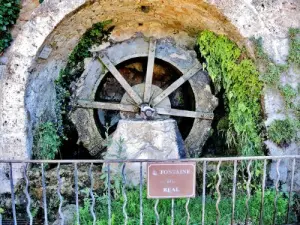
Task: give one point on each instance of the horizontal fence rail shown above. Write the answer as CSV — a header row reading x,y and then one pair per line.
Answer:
x,y
247,188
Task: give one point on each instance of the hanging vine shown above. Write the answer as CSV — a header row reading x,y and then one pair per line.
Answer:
x,y
238,76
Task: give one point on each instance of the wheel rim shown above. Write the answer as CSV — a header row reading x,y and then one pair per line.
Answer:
x,y
139,101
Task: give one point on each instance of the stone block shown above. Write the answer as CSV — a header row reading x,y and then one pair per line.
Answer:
x,y
142,139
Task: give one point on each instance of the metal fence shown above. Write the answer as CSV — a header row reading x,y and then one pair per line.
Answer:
x,y
248,163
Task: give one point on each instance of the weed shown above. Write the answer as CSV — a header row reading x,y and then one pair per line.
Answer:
x,y
282,131
46,141
294,51
289,94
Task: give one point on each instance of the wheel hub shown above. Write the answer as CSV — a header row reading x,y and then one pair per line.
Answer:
x,y
147,111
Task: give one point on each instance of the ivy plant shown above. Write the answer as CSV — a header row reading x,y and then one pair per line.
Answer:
x,y
230,69
9,13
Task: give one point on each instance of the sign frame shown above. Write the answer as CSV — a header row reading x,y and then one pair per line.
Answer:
x,y
171,164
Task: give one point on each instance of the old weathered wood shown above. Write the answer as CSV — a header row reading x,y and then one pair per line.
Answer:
x,y
185,113
176,84
106,105
149,74
120,79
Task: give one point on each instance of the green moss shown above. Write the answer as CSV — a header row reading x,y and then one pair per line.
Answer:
x,y
9,13
240,80
282,131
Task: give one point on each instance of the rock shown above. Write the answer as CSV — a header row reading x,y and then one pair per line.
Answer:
x,y
285,166
69,212
144,139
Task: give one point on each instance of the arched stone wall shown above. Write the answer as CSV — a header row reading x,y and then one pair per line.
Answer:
x,y
27,84
60,24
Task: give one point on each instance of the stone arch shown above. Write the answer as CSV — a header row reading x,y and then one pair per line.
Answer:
x,y
49,25
48,20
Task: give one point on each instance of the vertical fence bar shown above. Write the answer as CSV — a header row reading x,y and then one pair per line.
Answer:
x,y
248,190
203,191
12,189
141,193
276,193
108,194
92,207
187,211
219,193
263,193
44,195
172,211
233,191
124,194
156,212
26,191
76,193
61,215
290,192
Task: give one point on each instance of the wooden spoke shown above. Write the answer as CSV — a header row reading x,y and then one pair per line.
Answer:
x,y
184,113
120,79
176,84
150,67
106,105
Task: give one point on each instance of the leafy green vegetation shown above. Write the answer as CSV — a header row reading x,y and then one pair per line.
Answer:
x,y
282,131
229,69
294,52
9,13
46,141
180,216
289,93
